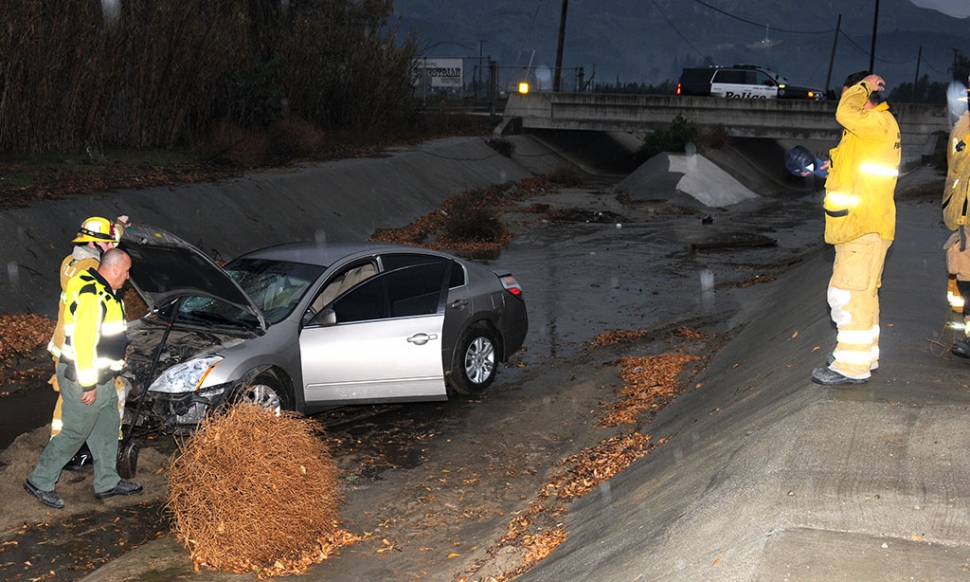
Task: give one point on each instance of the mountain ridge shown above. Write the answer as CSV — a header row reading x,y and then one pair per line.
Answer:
x,y
648,42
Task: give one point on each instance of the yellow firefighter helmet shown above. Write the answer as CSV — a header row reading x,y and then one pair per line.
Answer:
x,y
97,229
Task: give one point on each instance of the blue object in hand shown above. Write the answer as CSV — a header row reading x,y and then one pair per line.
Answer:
x,y
802,162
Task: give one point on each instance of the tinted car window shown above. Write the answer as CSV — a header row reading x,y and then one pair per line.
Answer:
x,y
730,76
762,79
416,290
364,303
394,261
457,275
406,292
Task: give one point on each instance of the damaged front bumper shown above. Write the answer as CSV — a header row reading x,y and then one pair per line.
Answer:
x,y
181,413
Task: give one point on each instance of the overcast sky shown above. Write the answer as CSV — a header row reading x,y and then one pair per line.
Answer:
x,y
958,8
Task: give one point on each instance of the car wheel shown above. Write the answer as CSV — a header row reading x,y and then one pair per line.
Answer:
x,y
265,391
475,361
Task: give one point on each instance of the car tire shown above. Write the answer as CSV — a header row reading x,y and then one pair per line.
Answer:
x,y
265,391
475,362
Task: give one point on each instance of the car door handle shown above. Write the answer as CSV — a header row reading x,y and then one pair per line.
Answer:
x,y
459,304
422,338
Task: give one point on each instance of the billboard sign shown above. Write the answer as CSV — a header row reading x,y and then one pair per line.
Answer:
x,y
438,72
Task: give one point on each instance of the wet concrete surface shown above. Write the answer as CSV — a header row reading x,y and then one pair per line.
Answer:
x,y
583,275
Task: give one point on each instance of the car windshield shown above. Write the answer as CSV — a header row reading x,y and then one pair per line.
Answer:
x,y
274,286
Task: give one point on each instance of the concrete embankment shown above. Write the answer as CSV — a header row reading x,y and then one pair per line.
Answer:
x,y
767,476
341,200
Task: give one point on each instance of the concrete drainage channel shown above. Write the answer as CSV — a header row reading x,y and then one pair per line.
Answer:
x,y
584,278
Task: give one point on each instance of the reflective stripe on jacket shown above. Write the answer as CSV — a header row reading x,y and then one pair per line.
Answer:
x,y
95,336
863,171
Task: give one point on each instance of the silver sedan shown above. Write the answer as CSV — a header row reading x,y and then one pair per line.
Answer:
x,y
308,326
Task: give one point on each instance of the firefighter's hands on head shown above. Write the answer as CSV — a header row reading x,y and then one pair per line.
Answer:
x,y
875,82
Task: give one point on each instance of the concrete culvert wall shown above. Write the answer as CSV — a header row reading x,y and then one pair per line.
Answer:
x,y
340,200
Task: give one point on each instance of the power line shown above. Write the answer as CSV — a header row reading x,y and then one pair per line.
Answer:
x,y
865,52
760,24
682,37
841,33
927,63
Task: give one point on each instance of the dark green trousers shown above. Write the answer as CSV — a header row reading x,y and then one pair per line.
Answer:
x,y
96,424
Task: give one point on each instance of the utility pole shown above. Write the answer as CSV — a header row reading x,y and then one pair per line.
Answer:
x,y
875,24
919,58
562,38
835,43
479,81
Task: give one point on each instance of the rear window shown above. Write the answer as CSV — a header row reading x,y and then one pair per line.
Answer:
x,y
732,76
696,75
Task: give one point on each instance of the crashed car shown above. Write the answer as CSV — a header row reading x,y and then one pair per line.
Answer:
x,y
308,326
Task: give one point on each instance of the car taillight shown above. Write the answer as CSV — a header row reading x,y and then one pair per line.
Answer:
x,y
511,285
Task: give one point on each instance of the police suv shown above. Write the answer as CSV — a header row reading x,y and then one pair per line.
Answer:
x,y
742,82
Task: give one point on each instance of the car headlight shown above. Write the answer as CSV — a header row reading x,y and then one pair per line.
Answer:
x,y
186,376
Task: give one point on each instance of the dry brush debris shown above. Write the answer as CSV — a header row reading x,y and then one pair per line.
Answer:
x,y
649,383
19,334
255,492
469,222
20,338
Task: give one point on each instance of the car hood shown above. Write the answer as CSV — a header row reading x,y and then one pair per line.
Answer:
x,y
165,267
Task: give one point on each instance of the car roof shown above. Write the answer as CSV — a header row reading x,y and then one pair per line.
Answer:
x,y
325,254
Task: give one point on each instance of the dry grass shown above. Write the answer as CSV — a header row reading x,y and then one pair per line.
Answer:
x,y
253,492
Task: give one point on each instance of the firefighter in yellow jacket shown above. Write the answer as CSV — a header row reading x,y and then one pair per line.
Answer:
x,y
955,216
95,236
92,356
860,220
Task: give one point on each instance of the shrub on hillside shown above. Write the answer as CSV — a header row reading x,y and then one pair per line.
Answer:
x,y
228,144
471,220
292,137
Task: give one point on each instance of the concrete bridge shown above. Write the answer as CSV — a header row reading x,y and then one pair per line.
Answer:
x,y
798,120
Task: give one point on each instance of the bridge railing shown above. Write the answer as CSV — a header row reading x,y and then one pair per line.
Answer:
x,y
790,119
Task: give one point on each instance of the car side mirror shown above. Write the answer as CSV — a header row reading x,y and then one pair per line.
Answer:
x,y
325,318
